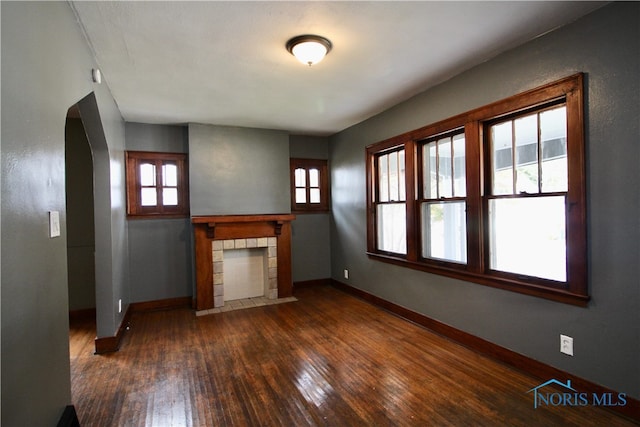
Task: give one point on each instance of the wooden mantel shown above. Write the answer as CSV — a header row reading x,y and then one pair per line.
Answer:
x,y
224,227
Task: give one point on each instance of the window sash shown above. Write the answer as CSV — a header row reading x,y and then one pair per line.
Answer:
x,y
443,229
527,236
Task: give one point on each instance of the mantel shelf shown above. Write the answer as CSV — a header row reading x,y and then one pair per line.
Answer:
x,y
225,219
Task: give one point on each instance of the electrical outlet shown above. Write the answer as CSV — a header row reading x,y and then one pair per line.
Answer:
x,y
346,273
566,345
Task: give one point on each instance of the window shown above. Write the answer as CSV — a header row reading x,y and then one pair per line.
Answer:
x,y
157,184
390,202
526,202
309,185
494,196
442,199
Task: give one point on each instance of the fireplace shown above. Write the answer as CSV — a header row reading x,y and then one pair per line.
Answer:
x,y
216,235
244,268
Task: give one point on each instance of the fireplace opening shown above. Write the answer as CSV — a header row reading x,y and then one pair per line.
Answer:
x,y
245,273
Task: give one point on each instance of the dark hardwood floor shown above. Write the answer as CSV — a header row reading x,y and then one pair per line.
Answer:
x,y
328,359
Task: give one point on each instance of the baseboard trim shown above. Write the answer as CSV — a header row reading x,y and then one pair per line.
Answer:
x,y
526,364
311,283
69,417
163,304
111,344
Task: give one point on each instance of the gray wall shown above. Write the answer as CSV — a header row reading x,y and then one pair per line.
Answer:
x,y
46,68
160,250
238,170
310,240
606,46
80,222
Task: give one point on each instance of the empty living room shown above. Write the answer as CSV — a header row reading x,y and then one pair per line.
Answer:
x,y
341,213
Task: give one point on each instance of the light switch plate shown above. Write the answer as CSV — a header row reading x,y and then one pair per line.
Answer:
x,y
54,224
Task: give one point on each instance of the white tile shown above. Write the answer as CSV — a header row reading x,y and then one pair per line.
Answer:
x,y
273,262
218,278
217,267
218,290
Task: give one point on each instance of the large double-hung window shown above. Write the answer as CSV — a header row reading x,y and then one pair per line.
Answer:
x,y
527,197
391,202
494,196
442,198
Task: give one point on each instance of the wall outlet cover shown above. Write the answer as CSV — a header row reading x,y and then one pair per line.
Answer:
x,y
566,345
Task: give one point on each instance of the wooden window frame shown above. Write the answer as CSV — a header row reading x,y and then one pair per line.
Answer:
x,y
574,290
306,164
135,209
376,202
420,197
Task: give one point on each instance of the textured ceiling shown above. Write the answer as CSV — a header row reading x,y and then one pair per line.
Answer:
x,y
225,63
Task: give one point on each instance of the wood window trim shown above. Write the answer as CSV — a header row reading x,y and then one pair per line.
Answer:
x,y
322,166
134,207
575,289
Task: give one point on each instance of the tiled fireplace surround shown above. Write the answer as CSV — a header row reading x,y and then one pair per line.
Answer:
x,y
215,234
270,247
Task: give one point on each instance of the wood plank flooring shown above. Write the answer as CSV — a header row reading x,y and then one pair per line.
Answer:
x,y
328,359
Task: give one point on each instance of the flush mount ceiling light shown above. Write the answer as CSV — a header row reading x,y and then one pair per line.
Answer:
x,y
309,49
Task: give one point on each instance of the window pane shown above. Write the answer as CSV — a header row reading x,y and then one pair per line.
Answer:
x,y
301,195
526,134
527,236
501,157
169,175
444,231
444,168
391,228
393,176
383,178
300,177
147,174
314,195
553,134
170,196
459,166
314,178
401,180
148,197
430,173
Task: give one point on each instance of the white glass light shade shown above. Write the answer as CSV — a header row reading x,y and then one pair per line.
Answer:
x,y
309,52
309,49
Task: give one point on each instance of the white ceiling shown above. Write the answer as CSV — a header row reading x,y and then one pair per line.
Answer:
x,y
225,63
